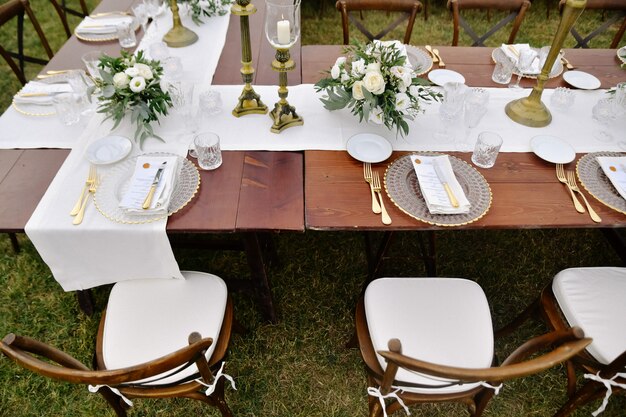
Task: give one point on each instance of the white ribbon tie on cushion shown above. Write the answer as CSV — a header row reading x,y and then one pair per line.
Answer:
x,y
432,188
218,375
38,92
615,169
608,383
141,181
95,388
375,392
101,25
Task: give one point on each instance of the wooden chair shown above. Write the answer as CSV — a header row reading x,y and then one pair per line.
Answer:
x,y
592,299
141,348
407,8
517,9
618,10
16,9
431,340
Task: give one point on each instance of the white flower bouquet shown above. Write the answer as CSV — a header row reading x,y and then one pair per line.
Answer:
x,y
132,83
378,84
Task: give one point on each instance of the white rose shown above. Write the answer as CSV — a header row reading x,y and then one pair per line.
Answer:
x,y
144,71
120,80
132,72
376,116
340,61
373,67
137,84
357,90
358,68
402,102
374,82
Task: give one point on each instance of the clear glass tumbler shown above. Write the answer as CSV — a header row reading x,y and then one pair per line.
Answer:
x,y
207,145
487,149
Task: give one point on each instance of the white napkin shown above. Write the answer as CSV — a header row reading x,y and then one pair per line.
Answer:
x,y
141,181
614,167
101,25
519,47
432,188
46,90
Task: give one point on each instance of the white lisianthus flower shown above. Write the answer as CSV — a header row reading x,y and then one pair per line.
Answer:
x,y
357,90
403,102
374,82
137,84
132,71
344,76
336,70
358,67
414,91
373,67
120,80
145,71
403,74
376,116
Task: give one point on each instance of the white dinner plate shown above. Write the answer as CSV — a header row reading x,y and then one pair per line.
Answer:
x,y
582,80
621,54
108,150
369,147
442,76
552,149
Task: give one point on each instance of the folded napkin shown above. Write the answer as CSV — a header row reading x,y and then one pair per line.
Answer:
x,y
614,168
101,25
37,92
432,187
146,168
519,47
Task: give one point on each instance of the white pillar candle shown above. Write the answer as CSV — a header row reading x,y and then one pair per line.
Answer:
x,y
282,32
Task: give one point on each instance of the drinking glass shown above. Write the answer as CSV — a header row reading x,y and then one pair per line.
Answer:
x,y
207,146
79,84
619,99
562,98
210,102
126,35
503,71
451,108
475,108
68,107
524,64
172,68
158,51
91,60
486,149
603,114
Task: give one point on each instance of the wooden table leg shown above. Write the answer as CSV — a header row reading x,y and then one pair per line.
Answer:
x,y
85,301
254,253
14,242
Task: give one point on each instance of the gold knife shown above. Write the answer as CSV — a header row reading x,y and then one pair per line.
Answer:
x,y
153,187
430,51
441,63
444,182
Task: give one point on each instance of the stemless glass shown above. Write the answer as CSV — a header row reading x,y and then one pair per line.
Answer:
x,y
603,114
503,71
207,145
451,108
487,149
524,64
91,60
282,23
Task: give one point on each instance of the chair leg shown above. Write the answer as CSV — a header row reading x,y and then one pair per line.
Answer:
x,y
589,391
530,311
85,301
114,401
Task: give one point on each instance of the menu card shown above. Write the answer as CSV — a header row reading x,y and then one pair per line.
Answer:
x,y
142,180
432,187
614,168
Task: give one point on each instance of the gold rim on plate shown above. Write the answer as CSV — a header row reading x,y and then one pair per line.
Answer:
x,y
106,198
415,55
31,113
596,183
403,190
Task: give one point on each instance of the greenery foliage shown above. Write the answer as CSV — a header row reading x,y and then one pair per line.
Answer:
x,y
206,8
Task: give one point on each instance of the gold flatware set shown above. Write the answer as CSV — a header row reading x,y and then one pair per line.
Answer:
x,y
91,184
569,180
434,52
373,179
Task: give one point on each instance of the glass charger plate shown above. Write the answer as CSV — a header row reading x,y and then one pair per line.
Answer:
x,y
594,180
104,37
32,109
117,181
621,54
404,191
557,69
420,60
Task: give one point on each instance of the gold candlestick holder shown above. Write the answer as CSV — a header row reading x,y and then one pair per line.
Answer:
x,y
284,115
530,111
249,101
178,36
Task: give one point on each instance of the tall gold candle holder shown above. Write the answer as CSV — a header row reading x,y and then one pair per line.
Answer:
x,y
530,111
178,36
249,101
282,28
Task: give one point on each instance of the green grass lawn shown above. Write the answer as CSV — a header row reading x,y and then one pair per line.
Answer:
x,y
299,366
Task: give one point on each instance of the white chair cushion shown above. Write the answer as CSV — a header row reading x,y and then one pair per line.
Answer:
x,y
150,318
594,299
439,320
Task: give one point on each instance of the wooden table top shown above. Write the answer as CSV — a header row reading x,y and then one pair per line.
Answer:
x,y
526,193
251,191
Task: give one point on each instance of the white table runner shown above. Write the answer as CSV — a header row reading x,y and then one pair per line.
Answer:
x,y
199,63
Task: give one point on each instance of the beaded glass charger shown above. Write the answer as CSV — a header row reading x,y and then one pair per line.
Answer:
x,y
404,191
107,36
41,109
115,184
420,60
594,180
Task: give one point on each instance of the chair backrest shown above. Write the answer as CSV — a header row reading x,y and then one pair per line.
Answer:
x,y
617,9
407,8
28,352
517,9
15,9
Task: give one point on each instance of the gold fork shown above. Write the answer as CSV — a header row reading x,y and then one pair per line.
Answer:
x,y
81,213
367,174
441,63
560,174
90,179
377,188
430,51
571,180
